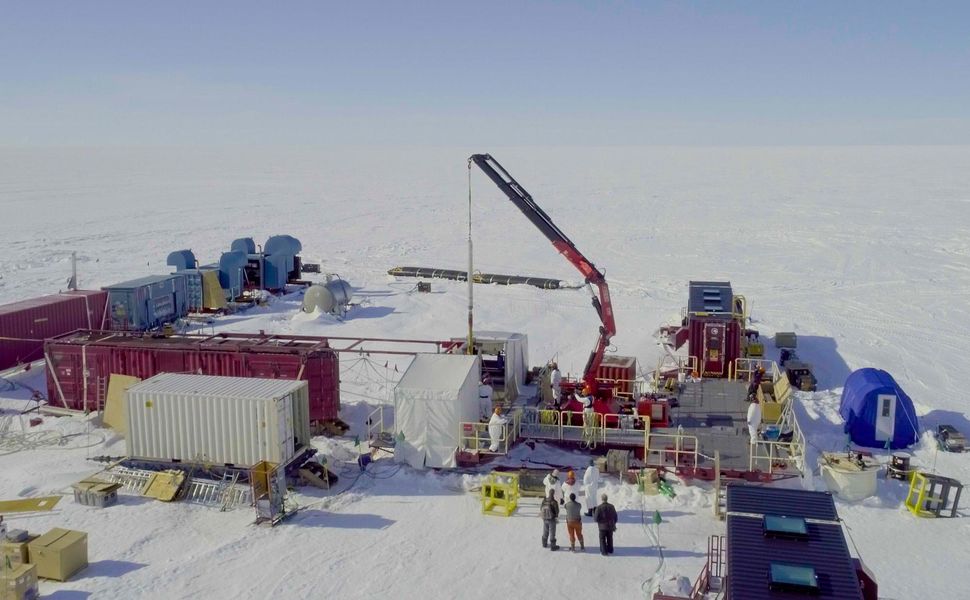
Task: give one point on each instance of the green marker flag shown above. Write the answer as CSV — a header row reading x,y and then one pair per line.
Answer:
x,y
657,520
357,441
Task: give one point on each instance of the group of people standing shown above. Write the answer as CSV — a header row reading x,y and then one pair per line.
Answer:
x,y
563,495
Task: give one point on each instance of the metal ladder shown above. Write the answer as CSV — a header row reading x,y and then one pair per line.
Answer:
x,y
223,493
133,480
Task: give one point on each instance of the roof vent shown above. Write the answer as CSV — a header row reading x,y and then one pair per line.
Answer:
x,y
787,577
781,526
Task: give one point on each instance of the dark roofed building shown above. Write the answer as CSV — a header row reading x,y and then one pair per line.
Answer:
x,y
785,544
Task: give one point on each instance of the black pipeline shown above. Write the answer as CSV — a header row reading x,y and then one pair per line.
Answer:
x,y
539,282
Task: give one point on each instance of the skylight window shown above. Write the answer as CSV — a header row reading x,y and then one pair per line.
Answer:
x,y
787,577
785,527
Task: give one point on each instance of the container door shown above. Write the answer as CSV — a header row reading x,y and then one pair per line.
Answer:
x,y
885,417
284,419
714,334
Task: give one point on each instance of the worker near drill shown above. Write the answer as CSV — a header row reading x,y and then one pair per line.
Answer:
x,y
591,485
553,486
754,419
485,397
759,374
496,427
555,380
574,523
605,517
549,513
570,486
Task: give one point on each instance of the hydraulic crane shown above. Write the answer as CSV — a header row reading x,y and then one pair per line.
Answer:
x,y
593,276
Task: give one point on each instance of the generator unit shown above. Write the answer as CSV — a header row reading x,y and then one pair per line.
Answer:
x,y
147,303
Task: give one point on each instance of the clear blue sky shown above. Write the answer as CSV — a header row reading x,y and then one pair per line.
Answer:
x,y
483,73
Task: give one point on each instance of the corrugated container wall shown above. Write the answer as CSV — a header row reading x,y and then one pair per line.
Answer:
x,y
25,325
81,363
216,420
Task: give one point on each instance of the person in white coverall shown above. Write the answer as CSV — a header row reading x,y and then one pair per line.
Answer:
x,y
591,485
553,485
555,380
754,419
496,426
485,397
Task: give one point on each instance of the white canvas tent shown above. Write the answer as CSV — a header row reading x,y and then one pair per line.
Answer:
x,y
435,395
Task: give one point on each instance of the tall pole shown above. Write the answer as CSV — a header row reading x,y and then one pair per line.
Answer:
x,y
471,303
73,283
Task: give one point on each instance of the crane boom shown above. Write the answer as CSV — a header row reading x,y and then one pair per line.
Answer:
x,y
593,276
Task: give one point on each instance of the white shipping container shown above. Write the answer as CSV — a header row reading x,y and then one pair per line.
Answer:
x,y
217,420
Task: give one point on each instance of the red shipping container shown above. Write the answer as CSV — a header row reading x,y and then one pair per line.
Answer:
x,y
25,325
79,364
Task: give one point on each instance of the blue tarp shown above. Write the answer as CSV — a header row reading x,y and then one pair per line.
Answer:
x,y
860,405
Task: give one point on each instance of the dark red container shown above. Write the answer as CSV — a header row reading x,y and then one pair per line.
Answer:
x,y
80,363
715,342
25,325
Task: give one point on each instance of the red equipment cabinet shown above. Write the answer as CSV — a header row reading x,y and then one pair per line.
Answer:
x,y
620,371
25,325
80,363
714,327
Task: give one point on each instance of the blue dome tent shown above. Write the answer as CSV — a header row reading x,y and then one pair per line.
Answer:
x,y
877,411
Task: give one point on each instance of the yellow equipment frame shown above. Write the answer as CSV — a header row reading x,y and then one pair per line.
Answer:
x,y
500,494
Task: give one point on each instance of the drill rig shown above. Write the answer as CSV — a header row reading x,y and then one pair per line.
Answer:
x,y
592,275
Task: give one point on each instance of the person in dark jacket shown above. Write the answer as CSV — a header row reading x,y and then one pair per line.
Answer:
x,y
549,513
605,517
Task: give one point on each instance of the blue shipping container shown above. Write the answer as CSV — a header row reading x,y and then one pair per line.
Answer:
x,y
148,302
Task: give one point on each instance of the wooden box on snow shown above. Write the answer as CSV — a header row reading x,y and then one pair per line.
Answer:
x,y
19,583
59,553
16,552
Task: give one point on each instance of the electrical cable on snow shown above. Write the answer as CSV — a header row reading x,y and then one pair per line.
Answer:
x,y
653,580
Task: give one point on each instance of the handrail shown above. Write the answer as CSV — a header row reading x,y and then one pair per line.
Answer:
x,y
792,453
376,427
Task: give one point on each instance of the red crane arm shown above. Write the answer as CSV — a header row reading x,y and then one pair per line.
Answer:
x,y
593,276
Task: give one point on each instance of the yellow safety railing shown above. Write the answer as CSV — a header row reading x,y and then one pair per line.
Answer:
x,y
781,454
743,368
681,449
637,386
500,494
474,436
540,423
685,366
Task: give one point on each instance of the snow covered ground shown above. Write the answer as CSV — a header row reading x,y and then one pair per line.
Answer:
x,y
865,252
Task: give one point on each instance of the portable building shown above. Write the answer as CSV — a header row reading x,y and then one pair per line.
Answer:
x,y
148,302
714,327
80,364
26,324
877,412
434,396
504,355
217,420
786,543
